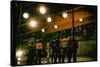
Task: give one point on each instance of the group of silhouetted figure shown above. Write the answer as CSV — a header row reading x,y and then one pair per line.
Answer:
x,y
60,53
57,55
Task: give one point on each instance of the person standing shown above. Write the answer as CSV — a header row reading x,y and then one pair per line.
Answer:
x,y
48,52
31,52
39,52
72,50
75,47
59,52
54,51
63,50
63,54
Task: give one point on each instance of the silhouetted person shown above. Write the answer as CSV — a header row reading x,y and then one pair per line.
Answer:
x,y
55,51
63,54
58,51
72,50
39,52
31,52
52,52
48,52
38,56
63,50
75,47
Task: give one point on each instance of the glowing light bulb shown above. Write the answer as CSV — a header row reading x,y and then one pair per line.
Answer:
x,y
42,10
32,23
49,19
80,19
55,26
25,15
43,30
64,15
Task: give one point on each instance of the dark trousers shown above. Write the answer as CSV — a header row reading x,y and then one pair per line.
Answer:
x,y
30,59
59,55
72,54
54,56
69,54
38,56
38,60
63,54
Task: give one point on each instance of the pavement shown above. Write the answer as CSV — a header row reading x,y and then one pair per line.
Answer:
x,y
79,59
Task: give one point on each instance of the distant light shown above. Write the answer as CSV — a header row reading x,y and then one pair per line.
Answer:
x,y
80,19
25,15
32,23
19,58
42,10
19,53
18,62
64,15
55,26
43,30
49,19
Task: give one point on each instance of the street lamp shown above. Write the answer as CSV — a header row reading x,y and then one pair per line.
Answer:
x,y
25,15
42,10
